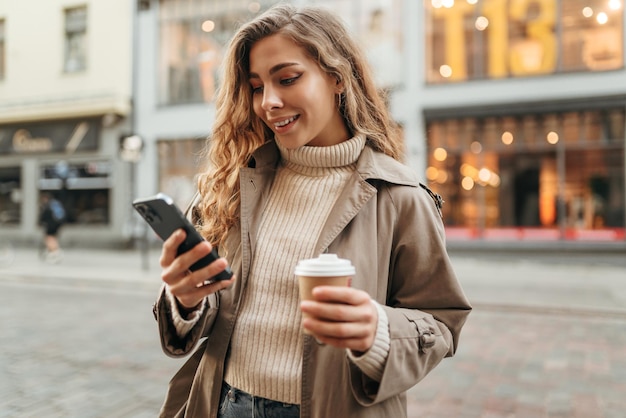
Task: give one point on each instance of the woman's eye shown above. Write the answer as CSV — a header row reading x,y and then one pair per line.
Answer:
x,y
256,90
288,81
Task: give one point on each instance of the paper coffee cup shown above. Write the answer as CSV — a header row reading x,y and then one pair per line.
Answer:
x,y
326,270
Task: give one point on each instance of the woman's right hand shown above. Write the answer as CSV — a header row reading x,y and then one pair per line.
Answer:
x,y
188,287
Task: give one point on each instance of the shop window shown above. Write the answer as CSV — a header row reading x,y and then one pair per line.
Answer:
x,y
509,135
469,133
594,189
571,127
491,132
194,35
615,125
10,195
592,126
591,35
487,39
559,172
179,163
75,39
381,38
530,134
83,188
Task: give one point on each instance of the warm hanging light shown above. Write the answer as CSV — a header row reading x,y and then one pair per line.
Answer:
x,y
507,138
440,154
552,137
208,26
445,71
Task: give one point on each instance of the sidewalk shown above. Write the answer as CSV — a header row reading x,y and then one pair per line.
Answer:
x,y
562,282
516,358
97,267
581,283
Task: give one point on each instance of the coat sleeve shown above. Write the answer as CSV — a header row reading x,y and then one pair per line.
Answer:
x,y
425,304
171,343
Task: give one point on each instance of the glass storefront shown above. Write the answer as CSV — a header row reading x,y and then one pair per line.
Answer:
x,y
179,162
490,39
532,174
194,33
10,195
83,188
58,153
555,175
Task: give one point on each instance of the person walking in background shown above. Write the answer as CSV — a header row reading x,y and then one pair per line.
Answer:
x,y
51,218
304,159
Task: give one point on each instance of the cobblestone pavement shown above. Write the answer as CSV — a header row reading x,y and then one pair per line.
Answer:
x,y
79,352
514,364
544,340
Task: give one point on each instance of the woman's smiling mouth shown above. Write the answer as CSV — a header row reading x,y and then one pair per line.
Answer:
x,y
285,122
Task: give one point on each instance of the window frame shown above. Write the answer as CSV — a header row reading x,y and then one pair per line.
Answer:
x,y
2,48
75,29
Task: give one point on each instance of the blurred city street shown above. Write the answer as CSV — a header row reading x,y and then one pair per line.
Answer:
x,y
513,112
546,338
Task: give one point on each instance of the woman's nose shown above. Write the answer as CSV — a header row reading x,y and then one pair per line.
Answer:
x,y
271,99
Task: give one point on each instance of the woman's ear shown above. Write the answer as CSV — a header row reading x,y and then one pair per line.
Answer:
x,y
339,87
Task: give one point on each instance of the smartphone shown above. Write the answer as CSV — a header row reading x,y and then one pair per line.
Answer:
x,y
164,217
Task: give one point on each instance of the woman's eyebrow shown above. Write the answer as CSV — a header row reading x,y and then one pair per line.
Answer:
x,y
274,69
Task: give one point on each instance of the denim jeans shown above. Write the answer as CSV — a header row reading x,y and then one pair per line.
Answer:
x,y
235,403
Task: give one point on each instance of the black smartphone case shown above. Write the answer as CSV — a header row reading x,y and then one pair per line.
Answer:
x,y
164,217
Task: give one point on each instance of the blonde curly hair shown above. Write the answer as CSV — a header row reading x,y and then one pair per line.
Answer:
x,y
237,131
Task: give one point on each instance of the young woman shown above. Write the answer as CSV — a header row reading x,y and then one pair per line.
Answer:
x,y
304,160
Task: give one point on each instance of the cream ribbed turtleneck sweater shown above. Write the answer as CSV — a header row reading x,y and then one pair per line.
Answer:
x,y
266,346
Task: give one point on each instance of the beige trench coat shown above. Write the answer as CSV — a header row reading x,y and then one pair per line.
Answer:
x,y
391,229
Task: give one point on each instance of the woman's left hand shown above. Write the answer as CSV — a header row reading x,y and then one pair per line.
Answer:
x,y
341,316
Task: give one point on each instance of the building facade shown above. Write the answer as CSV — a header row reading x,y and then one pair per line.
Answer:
x,y
523,108
65,101
512,110
178,64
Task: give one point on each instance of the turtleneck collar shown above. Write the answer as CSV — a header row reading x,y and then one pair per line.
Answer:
x,y
340,155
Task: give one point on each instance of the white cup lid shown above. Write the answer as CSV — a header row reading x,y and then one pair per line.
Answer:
x,y
325,265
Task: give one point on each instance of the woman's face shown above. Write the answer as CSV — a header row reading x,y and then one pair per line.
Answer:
x,y
293,96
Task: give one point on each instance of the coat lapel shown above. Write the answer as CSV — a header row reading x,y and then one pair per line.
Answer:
x,y
372,166
354,195
255,182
